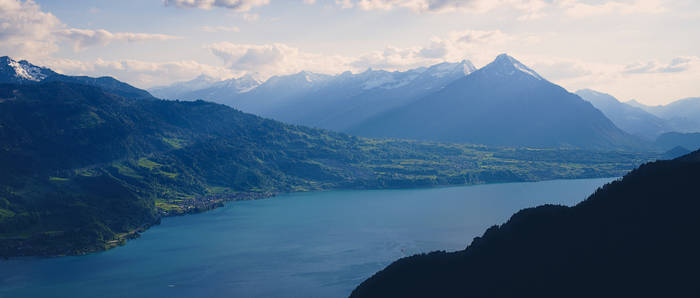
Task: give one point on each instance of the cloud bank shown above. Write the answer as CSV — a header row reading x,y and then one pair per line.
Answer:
x,y
527,9
82,38
235,5
28,32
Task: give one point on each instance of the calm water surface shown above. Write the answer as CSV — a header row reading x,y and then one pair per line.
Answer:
x,y
318,244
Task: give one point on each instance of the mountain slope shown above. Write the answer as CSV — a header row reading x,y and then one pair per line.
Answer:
x,y
631,119
505,104
23,72
83,168
631,238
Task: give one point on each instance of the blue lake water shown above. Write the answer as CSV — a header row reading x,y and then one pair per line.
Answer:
x,y
319,244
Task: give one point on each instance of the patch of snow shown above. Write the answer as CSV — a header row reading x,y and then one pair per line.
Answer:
x,y
468,67
378,82
447,69
243,84
526,70
508,66
443,70
27,71
246,83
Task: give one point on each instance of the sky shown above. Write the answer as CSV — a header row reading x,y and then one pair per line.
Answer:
x,y
647,50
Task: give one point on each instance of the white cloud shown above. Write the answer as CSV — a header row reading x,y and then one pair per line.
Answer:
x,y
276,58
29,33
678,64
422,5
479,37
25,30
141,73
251,17
309,2
236,5
220,29
394,58
530,9
527,9
345,4
479,46
578,9
654,82
82,38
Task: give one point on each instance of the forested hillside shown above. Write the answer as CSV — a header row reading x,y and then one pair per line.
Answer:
x,y
84,168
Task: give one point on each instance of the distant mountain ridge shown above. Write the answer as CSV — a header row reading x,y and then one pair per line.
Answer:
x,y
23,72
504,103
332,102
629,118
682,115
176,90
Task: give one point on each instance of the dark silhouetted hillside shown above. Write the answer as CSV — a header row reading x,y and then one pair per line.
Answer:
x,y
636,237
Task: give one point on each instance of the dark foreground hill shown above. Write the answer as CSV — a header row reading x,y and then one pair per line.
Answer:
x,y
636,237
84,168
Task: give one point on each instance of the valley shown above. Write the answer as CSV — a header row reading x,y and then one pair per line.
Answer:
x,y
349,148
85,166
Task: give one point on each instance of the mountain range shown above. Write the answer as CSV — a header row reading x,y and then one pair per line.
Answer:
x,y
632,238
87,163
330,102
672,126
503,104
682,115
632,119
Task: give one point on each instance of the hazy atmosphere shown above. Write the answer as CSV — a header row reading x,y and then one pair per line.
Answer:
x,y
349,148
646,50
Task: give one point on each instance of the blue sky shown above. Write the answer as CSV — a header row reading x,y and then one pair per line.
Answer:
x,y
634,49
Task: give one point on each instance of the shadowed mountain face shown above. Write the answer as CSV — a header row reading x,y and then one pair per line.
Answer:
x,y
504,103
670,140
631,238
631,119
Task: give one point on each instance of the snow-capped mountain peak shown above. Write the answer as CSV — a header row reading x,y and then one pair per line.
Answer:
x,y
246,83
505,65
444,69
467,67
22,70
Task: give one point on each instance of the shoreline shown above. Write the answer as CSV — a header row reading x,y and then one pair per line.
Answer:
x,y
211,202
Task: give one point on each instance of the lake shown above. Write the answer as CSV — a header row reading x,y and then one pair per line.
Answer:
x,y
318,244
